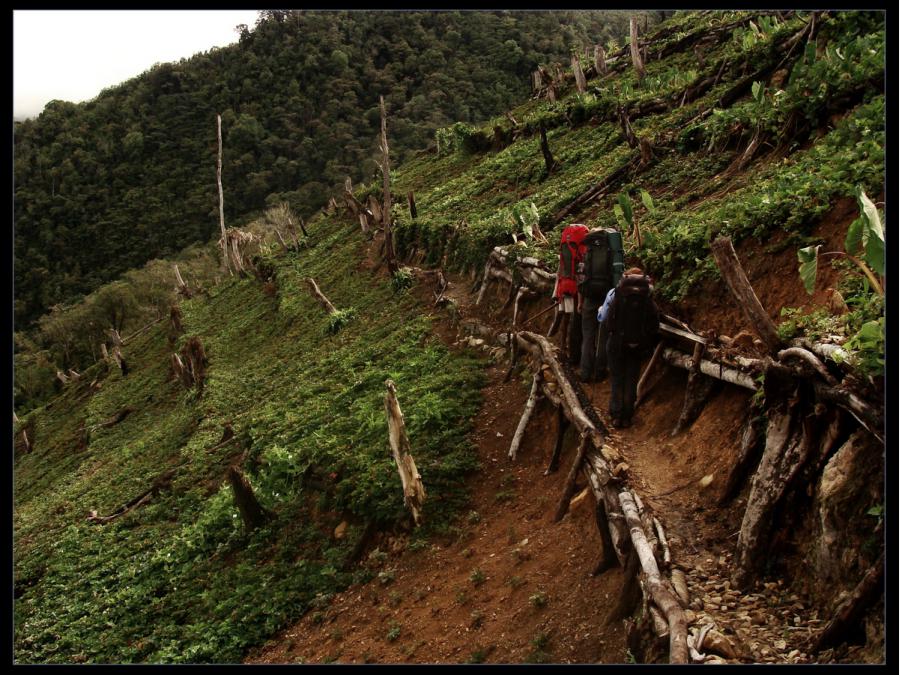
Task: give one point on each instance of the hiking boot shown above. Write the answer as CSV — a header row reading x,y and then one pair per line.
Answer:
x,y
584,377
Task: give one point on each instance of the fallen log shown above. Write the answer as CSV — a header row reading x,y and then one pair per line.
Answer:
x,y
162,482
665,600
562,423
526,415
864,413
413,489
809,358
711,368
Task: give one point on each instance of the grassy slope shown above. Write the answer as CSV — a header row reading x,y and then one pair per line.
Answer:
x,y
178,579
693,200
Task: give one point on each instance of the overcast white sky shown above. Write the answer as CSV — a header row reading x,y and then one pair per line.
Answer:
x,y
74,54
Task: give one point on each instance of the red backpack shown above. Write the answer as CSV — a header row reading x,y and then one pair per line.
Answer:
x,y
571,252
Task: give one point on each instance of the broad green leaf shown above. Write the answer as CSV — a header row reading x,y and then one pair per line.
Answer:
x,y
620,216
625,203
853,242
648,201
809,263
873,233
756,88
871,331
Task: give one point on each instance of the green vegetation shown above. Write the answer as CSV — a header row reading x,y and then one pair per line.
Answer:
x,y
104,186
179,579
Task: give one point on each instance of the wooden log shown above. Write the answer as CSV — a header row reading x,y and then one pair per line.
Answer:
x,y
160,483
526,415
513,289
252,513
736,279
413,489
850,611
608,557
810,359
786,450
696,392
651,375
665,600
873,420
710,368
569,486
320,297
521,293
562,424
386,210
223,242
636,59
663,542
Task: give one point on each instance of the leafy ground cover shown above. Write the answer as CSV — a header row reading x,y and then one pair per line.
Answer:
x,y
179,579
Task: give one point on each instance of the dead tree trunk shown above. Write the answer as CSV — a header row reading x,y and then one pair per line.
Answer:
x,y
580,81
224,239
413,489
600,61
740,287
664,599
850,611
386,210
182,288
526,415
549,162
411,201
635,49
252,513
320,297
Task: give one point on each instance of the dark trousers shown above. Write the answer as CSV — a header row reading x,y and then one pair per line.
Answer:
x,y
573,340
590,327
624,371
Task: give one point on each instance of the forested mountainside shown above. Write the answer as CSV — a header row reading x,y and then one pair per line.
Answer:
x,y
213,481
104,186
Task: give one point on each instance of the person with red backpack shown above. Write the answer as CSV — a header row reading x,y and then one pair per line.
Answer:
x,y
571,255
632,323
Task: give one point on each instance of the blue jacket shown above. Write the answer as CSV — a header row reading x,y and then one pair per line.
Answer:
x,y
604,309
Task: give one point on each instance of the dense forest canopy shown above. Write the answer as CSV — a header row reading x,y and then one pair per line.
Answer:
x,y
104,186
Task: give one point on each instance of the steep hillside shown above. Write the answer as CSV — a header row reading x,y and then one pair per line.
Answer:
x,y
104,186
765,491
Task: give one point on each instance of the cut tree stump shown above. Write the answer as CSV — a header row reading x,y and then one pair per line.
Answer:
x,y
252,513
413,489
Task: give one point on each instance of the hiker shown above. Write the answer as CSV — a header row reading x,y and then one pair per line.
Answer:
x,y
632,323
601,270
565,293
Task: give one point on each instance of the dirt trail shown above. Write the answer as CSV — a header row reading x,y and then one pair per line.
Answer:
x,y
513,587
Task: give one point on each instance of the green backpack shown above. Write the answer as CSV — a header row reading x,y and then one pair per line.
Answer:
x,y
604,262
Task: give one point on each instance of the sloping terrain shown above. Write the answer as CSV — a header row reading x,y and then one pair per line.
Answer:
x,y
762,133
